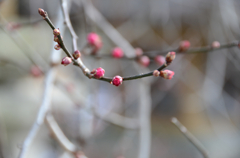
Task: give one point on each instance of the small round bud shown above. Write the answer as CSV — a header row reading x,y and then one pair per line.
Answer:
x,y
76,54
66,61
167,74
117,80
36,71
98,73
215,44
170,57
184,45
159,59
117,52
57,47
55,39
56,32
94,40
156,73
144,60
41,12
138,52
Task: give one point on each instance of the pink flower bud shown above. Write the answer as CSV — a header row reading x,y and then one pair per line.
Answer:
x,y
167,74
56,32
55,39
57,47
215,44
36,71
156,73
98,73
184,45
159,59
138,52
66,61
170,57
76,54
117,80
117,52
144,60
94,40
41,12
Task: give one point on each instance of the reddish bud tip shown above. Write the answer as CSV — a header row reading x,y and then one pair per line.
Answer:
x,y
156,73
76,54
117,80
215,44
184,45
167,74
36,71
98,73
66,61
170,57
159,59
56,32
41,12
94,40
144,60
117,52
57,47
138,52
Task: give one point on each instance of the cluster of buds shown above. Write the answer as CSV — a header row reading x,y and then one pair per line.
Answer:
x,y
117,52
117,80
95,41
184,46
170,57
215,45
56,33
98,73
42,12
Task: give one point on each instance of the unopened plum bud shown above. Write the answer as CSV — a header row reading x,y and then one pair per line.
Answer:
x,y
167,74
215,44
138,52
156,73
117,52
184,45
144,60
159,59
76,54
170,57
98,73
66,61
56,32
94,40
117,80
57,47
41,12
55,38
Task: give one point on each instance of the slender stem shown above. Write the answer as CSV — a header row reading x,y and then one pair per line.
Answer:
x,y
190,137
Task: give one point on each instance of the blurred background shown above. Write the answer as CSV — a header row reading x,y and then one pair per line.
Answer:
x,y
204,93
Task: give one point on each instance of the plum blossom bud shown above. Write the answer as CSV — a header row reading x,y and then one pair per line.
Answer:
x,y
117,80
55,39
76,54
41,12
36,71
159,59
156,73
215,44
94,40
66,61
56,32
144,60
184,45
57,47
98,73
117,52
170,57
167,74
138,52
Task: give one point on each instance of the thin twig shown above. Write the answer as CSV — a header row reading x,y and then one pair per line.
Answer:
x,y
190,137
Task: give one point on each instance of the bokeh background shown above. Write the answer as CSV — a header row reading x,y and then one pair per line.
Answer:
x,y
203,95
